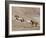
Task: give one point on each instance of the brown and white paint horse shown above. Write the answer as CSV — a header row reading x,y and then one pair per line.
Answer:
x,y
19,19
34,23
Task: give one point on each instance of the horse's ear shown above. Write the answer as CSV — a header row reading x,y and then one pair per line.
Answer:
x,y
31,20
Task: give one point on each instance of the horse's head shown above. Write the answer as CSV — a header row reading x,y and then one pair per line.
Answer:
x,y
16,16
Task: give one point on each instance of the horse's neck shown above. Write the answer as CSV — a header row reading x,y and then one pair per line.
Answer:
x,y
19,18
16,18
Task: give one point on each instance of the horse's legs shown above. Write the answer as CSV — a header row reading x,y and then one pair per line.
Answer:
x,y
36,24
22,20
32,24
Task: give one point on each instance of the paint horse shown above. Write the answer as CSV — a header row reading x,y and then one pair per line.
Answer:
x,y
19,19
34,23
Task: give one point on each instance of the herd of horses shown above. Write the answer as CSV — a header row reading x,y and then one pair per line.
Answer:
x,y
29,21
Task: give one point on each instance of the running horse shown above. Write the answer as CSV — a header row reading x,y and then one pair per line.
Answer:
x,y
34,23
19,19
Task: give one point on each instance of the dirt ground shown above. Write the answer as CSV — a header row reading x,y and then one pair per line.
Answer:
x,y
27,13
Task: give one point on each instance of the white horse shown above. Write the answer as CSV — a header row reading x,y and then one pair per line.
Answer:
x,y
28,21
20,19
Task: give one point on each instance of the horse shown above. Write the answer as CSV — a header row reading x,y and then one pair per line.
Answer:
x,y
19,19
34,23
